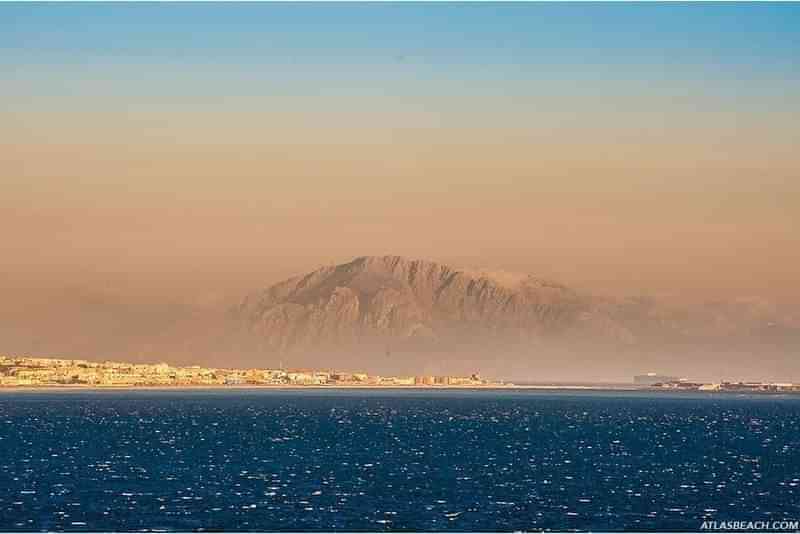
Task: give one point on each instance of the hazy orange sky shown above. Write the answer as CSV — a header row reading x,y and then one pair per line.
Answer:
x,y
662,160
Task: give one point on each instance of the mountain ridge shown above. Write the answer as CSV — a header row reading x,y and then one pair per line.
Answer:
x,y
392,297
398,315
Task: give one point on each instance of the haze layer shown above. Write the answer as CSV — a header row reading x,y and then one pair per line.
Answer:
x,y
166,154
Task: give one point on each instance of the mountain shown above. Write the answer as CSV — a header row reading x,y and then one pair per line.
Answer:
x,y
423,314
395,315
402,302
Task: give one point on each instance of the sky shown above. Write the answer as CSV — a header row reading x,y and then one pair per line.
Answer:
x,y
209,149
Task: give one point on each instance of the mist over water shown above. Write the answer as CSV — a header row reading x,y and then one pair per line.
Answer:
x,y
700,339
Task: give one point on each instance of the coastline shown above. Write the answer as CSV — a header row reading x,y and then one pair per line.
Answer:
x,y
85,387
489,387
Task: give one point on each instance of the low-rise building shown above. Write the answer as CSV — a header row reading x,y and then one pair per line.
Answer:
x,y
404,380
301,377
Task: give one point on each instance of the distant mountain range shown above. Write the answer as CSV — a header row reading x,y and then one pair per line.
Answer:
x,y
397,315
396,300
401,302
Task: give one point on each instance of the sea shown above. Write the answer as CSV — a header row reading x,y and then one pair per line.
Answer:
x,y
383,460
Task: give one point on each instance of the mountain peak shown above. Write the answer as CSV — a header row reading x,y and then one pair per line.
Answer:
x,y
395,298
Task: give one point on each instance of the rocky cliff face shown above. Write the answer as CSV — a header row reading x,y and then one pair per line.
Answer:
x,y
397,300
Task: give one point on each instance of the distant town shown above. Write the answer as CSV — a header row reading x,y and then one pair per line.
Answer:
x,y
26,371
34,372
653,380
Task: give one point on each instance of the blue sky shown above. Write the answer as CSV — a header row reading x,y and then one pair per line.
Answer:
x,y
85,55
747,38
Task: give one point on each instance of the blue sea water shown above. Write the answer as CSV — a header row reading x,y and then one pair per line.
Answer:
x,y
394,460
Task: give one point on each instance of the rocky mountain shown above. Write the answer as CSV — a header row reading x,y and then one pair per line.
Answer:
x,y
391,314
398,301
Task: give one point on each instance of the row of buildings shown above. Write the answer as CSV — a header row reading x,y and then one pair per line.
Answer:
x,y
26,371
740,387
681,384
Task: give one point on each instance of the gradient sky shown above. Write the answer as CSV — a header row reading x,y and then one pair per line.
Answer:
x,y
617,147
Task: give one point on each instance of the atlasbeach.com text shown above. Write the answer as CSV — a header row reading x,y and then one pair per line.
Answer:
x,y
751,525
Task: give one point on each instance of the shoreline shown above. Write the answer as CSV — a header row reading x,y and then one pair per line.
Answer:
x,y
290,387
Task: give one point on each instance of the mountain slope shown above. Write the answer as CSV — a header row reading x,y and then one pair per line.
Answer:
x,y
393,299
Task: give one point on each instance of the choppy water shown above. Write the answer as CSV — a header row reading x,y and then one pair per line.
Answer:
x,y
393,460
